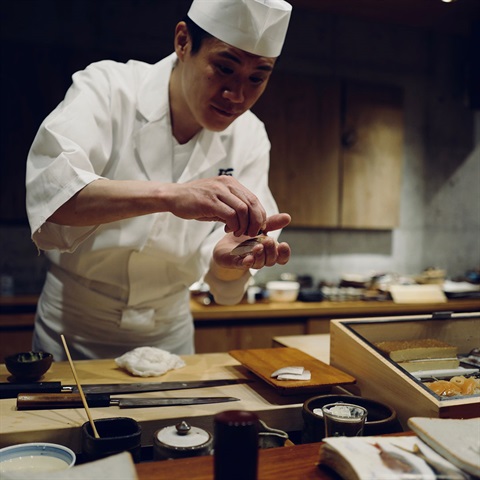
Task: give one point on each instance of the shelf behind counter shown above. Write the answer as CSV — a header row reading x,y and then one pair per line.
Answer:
x,y
222,328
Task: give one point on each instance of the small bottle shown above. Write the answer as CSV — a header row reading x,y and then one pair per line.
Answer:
x,y
235,445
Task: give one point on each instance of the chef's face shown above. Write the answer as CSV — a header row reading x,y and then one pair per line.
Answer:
x,y
220,82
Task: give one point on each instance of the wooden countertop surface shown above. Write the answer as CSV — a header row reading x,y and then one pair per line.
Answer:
x,y
62,425
298,462
267,309
326,309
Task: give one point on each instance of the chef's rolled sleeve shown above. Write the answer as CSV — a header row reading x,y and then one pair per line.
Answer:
x,y
70,150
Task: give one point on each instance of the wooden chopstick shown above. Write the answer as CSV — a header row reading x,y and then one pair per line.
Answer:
x,y
80,390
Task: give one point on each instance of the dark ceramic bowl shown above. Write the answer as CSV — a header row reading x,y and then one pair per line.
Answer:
x,y
381,418
28,365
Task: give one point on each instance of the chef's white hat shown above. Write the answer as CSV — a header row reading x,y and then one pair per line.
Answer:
x,y
256,26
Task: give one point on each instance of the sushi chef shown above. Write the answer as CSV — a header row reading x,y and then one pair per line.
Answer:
x,y
145,177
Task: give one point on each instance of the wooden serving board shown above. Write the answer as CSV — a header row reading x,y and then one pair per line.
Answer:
x,y
264,361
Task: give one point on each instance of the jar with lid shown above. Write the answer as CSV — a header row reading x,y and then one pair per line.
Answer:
x,y
180,441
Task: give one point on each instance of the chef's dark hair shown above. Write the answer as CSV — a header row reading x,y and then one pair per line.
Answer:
x,y
197,34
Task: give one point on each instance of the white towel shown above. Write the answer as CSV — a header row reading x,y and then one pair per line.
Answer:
x,y
149,361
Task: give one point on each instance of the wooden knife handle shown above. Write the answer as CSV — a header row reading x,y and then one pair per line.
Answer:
x,y
42,401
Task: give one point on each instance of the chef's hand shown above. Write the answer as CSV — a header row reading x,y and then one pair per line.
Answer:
x,y
219,199
265,254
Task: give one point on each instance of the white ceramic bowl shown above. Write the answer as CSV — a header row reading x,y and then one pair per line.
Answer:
x,y
283,291
35,457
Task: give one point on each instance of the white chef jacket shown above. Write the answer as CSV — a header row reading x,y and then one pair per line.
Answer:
x,y
116,286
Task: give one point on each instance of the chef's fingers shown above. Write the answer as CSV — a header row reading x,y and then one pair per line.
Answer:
x,y
267,254
283,253
248,216
221,198
276,222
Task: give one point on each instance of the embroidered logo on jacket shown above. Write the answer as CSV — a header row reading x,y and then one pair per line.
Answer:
x,y
225,171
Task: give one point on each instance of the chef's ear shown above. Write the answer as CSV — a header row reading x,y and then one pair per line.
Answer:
x,y
182,40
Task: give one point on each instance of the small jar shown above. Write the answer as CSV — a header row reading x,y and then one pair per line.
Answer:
x,y
181,441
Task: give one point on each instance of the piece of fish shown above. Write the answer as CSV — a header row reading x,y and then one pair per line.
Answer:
x,y
246,247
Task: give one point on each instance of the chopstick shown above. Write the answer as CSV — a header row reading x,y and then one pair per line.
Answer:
x,y
80,390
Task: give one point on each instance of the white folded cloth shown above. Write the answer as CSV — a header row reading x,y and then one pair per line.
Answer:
x,y
149,361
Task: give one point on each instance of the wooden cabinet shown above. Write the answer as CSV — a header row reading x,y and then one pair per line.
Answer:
x,y
336,157
371,156
223,336
302,118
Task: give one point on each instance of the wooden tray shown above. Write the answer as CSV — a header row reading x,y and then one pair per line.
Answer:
x,y
264,361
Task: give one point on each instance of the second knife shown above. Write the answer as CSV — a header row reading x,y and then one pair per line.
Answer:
x,y
40,401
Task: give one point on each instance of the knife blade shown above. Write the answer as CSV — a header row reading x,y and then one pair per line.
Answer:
x,y
11,390
40,401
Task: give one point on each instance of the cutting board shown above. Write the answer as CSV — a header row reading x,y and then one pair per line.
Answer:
x,y
264,361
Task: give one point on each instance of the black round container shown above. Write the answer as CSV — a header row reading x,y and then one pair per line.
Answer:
x,y
116,435
381,418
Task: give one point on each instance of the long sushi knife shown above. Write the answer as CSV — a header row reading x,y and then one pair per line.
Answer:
x,y
11,390
42,401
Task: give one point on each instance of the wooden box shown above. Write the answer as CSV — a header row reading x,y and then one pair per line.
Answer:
x,y
352,350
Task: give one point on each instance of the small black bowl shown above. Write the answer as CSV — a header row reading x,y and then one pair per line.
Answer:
x,y
115,435
28,365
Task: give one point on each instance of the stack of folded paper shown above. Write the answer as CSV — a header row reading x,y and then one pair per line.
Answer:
x,y
442,448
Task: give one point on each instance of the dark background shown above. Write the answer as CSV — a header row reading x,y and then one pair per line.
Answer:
x,y
43,42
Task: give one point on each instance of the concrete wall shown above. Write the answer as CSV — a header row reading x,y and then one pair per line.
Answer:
x,y
440,220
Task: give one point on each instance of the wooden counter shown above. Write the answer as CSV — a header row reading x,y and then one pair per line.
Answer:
x,y
63,425
243,326
361,308
299,462
296,462
318,346
222,328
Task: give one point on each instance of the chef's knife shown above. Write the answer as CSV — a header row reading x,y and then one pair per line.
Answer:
x,y
11,390
42,401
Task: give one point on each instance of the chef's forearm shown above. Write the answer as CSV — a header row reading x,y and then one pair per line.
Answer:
x,y
226,274
230,288
105,201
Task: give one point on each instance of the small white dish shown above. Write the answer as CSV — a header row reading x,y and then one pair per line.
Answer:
x,y
283,291
35,457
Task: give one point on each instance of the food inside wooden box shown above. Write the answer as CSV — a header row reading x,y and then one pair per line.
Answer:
x,y
354,348
458,385
429,354
421,349
430,364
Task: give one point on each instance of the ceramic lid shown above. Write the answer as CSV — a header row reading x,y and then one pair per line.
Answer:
x,y
181,436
